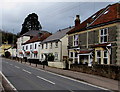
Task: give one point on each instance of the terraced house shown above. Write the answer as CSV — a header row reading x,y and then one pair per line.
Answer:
x,y
31,47
97,39
23,50
55,46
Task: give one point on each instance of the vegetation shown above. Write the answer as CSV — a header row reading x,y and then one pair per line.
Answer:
x,y
31,23
7,37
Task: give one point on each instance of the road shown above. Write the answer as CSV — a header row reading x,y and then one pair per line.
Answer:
x,y
24,77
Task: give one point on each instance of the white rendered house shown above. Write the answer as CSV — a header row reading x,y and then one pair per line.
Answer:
x,y
55,45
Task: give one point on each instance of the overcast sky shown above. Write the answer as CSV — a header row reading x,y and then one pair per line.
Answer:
x,y
52,15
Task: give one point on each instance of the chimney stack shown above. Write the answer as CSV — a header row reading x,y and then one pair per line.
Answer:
x,y
77,20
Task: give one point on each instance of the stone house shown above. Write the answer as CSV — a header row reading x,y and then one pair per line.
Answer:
x,y
97,39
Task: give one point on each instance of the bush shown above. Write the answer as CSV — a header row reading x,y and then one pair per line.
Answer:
x,y
7,54
51,57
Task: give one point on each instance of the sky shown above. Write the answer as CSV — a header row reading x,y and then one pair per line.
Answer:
x,y
53,15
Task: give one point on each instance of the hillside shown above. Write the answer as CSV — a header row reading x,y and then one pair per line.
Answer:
x,y
7,37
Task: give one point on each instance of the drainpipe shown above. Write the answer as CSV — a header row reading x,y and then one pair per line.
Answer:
x,y
61,51
109,52
87,37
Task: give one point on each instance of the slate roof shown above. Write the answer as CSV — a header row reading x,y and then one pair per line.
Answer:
x,y
33,32
40,37
58,35
105,15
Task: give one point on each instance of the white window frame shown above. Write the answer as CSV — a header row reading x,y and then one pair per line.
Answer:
x,y
56,55
56,44
51,45
74,54
103,35
42,46
75,40
98,57
46,45
104,56
70,54
35,46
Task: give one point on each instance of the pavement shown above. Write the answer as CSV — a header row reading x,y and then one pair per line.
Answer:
x,y
92,79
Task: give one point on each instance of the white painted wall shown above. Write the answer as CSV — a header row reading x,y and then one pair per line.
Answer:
x,y
21,40
31,48
61,50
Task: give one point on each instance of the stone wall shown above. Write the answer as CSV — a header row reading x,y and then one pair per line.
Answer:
x,y
109,71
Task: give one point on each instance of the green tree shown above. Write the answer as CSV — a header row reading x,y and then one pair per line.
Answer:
x,y
30,23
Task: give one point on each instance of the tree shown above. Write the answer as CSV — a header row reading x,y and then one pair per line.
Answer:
x,y
7,54
31,23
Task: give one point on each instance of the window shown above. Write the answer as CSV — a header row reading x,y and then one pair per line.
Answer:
x,y
75,40
26,47
71,54
35,46
50,45
30,46
42,46
76,54
56,56
105,58
41,56
104,35
56,44
46,45
99,56
23,47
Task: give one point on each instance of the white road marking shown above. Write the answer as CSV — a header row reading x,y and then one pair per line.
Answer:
x,y
11,64
74,79
46,80
17,67
26,71
6,62
70,78
9,82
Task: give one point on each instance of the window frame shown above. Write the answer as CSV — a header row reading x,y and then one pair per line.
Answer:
x,y
56,55
70,55
102,35
42,46
76,40
106,56
99,56
35,46
46,45
56,44
51,45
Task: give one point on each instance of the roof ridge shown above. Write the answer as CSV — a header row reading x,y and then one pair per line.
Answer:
x,y
65,28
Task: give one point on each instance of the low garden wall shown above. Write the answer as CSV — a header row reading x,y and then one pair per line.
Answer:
x,y
56,64
109,71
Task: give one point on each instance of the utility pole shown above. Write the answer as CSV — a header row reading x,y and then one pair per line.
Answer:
x,y
13,44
